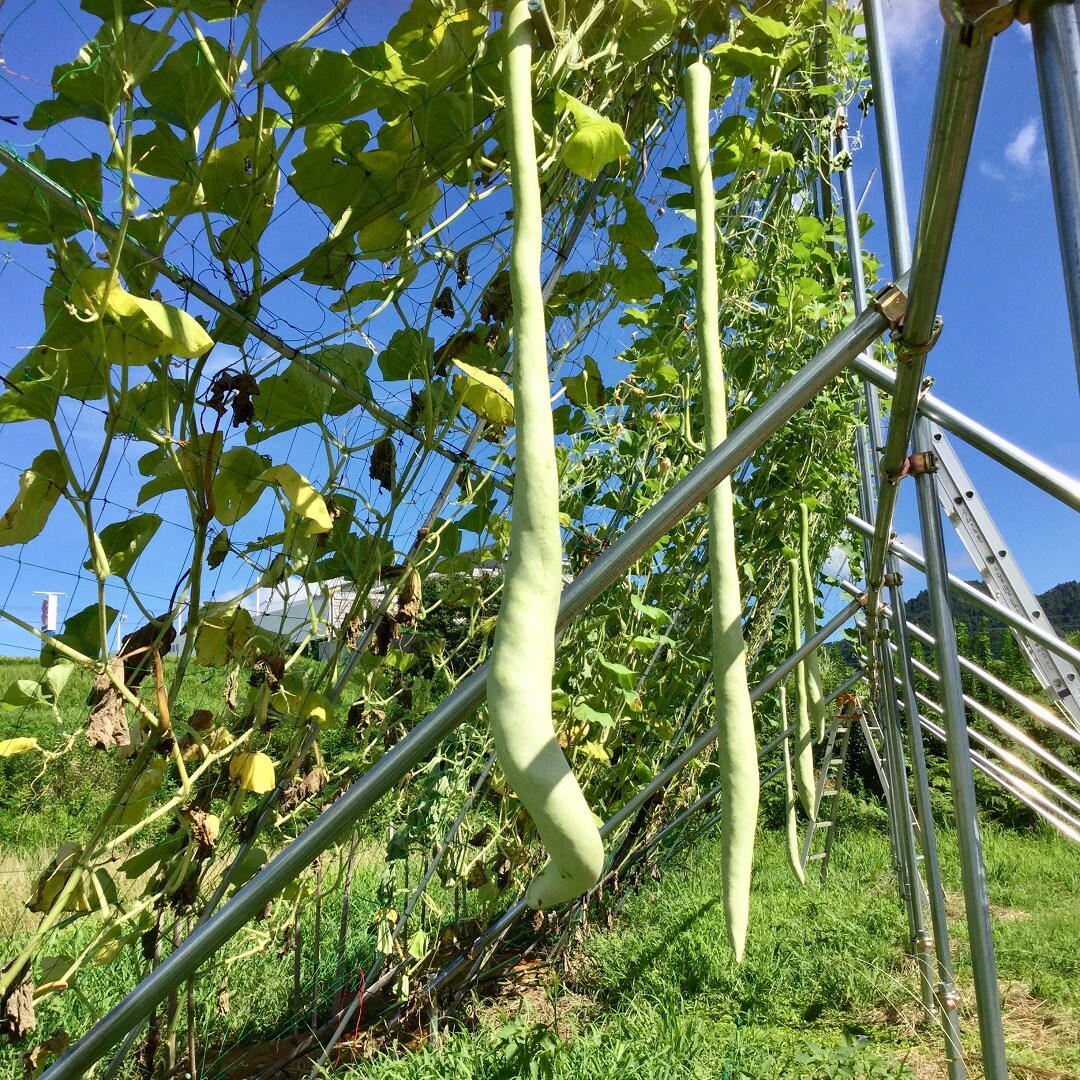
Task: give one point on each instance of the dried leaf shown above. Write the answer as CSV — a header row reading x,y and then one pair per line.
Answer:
x,y
137,647
223,1000
107,724
204,827
17,1009
444,303
495,303
301,790
219,548
382,463
232,684
235,388
408,599
35,1061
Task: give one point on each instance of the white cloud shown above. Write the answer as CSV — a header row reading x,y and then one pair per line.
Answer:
x,y
1021,149
911,25
989,169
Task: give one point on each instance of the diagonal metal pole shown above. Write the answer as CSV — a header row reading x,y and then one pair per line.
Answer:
x,y
976,900
339,819
961,76
1055,26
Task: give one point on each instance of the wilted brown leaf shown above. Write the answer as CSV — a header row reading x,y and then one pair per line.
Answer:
x,y
218,550
301,790
35,1061
17,1009
444,303
382,463
136,648
107,724
408,599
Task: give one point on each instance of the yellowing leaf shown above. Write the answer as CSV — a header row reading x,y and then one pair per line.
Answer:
x,y
486,394
303,499
307,705
595,142
139,329
595,751
252,772
225,631
40,488
9,747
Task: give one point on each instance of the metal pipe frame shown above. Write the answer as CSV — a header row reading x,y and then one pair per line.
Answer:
x,y
423,740
959,89
1009,783
911,883
1045,477
973,870
945,990
1033,708
1055,26
1014,762
1010,730
1038,633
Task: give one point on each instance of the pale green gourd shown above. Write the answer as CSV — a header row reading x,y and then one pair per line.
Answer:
x,y
736,746
791,821
815,698
804,737
523,656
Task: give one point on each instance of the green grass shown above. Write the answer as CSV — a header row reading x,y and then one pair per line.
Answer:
x,y
825,990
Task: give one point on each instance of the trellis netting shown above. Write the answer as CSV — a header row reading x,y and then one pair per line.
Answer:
x,y
265,415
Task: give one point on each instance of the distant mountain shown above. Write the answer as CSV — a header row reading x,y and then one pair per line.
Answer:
x,y
1060,605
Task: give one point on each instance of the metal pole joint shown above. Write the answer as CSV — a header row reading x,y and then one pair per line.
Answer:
x,y
892,302
893,580
982,17
913,465
906,351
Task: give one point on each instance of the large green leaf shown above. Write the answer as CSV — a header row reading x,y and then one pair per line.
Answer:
x,y
40,488
586,390
235,489
319,84
635,230
183,467
148,407
82,632
94,84
185,87
639,280
26,214
408,355
124,541
596,141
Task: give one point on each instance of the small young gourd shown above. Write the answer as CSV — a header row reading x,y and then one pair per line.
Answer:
x,y
791,821
804,737
736,746
523,655
815,698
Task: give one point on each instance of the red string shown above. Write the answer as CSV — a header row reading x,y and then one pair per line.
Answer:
x,y
359,1016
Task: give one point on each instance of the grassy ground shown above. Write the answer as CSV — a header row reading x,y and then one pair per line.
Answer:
x,y
825,990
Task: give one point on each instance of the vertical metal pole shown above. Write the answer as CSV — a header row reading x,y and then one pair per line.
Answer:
x,y
1055,27
945,991
905,831
892,171
976,901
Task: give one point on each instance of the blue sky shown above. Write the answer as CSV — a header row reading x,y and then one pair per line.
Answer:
x,y
1005,357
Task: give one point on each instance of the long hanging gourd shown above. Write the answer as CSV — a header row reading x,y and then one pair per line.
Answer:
x,y
804,753
737,749
523,655
791,821
815,698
